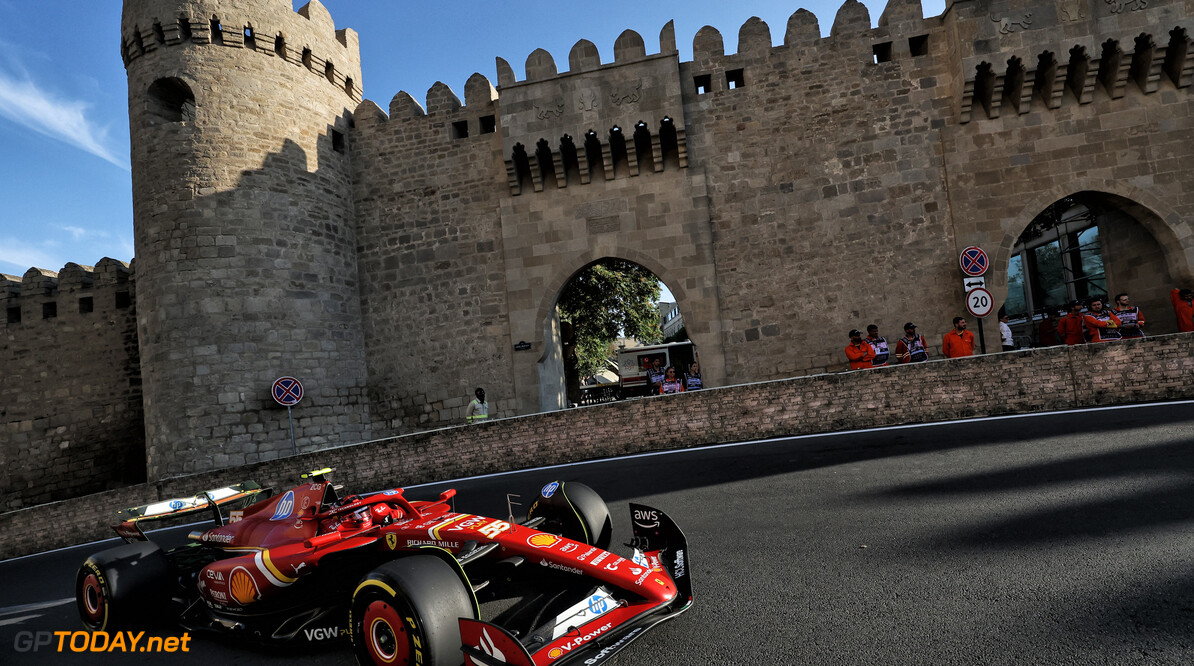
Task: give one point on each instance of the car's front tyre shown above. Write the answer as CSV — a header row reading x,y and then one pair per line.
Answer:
x,y
406,612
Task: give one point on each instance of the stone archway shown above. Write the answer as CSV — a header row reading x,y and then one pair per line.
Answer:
x,y
1131,244
1152,212
699,306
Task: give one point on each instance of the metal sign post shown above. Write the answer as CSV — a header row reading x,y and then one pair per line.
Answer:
x,y
287,391
980,302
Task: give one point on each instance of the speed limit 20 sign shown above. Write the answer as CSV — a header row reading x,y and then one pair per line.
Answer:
x,y
979,302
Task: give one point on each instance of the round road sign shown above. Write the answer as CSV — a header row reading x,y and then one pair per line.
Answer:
x,y
980,302
974,261
287,391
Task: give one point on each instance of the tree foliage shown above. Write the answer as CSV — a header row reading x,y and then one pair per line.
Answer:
x,y
610,298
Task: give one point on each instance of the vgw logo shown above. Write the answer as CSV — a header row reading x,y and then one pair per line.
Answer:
x,y
322,633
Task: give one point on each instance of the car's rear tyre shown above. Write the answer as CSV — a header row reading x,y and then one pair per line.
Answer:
x,y
124,587
406,612
576,511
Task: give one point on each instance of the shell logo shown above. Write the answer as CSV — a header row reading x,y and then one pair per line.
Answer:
x,y
242,587
543,540
555,653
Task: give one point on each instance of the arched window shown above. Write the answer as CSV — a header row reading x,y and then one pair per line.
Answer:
x,y
280,45
171,100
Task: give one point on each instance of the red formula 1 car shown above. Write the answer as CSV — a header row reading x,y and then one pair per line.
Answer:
x,y
409,581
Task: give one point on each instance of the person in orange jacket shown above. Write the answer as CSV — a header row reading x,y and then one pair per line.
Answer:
x,y
958,342
1071,328
858,352
1183,307
1101,324
671,383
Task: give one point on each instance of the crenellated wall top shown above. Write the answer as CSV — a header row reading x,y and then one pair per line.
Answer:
x,y
307,38
39,283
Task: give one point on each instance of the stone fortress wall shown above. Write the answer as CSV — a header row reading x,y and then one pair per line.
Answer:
x,y
239,115
70,392
785,194
396,259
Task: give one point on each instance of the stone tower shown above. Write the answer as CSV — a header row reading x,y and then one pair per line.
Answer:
x,y
246,251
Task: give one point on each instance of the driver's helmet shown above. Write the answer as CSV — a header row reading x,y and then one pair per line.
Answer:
x,y
357,520
384,513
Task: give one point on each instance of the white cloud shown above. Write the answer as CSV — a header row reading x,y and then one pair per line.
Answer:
x,y
23,102
78,232
19,256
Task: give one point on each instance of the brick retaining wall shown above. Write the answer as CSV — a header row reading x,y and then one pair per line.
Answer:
x,y
1027,381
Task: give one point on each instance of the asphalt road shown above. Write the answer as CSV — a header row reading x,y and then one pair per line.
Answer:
x,y
1052,539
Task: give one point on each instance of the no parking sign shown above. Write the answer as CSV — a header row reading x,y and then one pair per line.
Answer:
x,y
287,391
974,261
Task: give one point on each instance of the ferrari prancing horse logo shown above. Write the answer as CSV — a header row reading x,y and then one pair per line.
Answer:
x,y
392,541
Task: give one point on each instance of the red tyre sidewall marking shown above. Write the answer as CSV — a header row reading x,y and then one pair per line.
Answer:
x,y
93,598
381,612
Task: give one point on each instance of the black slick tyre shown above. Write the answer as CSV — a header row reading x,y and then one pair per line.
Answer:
x,y
406,611
124,587
576,511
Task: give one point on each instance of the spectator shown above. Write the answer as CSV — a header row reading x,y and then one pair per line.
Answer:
x,y
692,382
1071,328
1046,333
879,344
911,348
1005,332
1183,307
477,410
958,342
1101,325
671,383
655,373
858,352
1130,317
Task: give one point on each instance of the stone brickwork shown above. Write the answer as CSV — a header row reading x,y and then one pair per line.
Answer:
x,y
239,116
70,384
1054,378
395,259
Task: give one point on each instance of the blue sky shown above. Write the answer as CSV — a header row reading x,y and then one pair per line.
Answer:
x,y
65,189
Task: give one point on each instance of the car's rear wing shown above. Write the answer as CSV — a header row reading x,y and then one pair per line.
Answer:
x,y
229,497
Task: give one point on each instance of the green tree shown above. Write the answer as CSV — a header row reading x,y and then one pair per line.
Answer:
x,y
610,298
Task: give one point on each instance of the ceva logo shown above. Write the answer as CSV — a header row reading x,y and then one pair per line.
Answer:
x,y
285,506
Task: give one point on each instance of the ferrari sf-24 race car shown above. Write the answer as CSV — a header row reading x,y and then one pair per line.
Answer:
x,y
409,581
